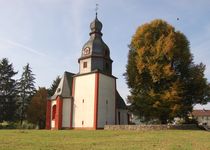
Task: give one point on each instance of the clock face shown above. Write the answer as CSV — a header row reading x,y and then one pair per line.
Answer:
x,y
86,51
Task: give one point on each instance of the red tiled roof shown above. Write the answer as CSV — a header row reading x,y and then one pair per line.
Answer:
x,y
201,113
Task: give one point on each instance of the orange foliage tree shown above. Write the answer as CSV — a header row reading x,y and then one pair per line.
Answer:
x,y
37,109
164,81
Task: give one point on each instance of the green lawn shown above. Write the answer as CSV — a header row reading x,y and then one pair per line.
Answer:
x,y
101,139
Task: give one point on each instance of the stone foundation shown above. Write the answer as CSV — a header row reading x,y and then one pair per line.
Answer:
x,y
151,127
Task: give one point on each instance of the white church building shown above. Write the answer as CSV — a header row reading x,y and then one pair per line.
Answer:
x,y
89,99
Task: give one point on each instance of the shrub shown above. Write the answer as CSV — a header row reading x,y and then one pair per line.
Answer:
x,y
17,125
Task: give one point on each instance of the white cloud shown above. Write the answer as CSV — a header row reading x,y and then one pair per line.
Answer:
x,y
8,44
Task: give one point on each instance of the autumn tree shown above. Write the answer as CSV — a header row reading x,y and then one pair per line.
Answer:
x,y
164,81
8,91
36,111
26,90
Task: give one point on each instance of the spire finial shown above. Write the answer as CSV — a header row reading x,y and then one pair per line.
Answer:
x,y
96,9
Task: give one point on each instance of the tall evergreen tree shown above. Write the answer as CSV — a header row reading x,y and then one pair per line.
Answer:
x,y
164,81
54,86
8,91
26,90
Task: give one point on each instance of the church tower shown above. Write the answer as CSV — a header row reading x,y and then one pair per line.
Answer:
x,y
94,85
95,53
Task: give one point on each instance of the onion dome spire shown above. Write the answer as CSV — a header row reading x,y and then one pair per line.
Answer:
x,y
96,26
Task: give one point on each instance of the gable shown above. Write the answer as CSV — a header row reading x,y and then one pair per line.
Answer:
x,y
64,88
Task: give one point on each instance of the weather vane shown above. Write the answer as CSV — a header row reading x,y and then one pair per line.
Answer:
x,y
96,9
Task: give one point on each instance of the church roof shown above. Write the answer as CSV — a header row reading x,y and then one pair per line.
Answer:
x,y
64,88
202,112
120,104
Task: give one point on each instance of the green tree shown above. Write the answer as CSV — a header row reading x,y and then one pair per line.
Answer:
x,y
54,86
164,82
8,91
26,89
37,109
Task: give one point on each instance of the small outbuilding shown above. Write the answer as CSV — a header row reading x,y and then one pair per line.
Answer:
x,y
202,116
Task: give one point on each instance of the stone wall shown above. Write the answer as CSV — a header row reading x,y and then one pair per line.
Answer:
x,y
151,127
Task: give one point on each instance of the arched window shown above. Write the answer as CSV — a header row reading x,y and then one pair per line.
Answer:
x,y
53,112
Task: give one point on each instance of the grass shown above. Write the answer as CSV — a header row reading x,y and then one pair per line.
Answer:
x,y
101,140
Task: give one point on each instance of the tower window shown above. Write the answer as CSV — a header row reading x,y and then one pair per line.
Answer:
x,y
106,53
106,101
107,66
84,64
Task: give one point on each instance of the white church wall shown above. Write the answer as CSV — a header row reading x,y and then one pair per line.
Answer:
x,y
106,101
66,112
88,68
83,111
52,121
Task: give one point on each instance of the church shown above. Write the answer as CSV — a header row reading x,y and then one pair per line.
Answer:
x,y
88,99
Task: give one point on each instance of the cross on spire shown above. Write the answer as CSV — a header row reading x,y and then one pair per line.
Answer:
x,y
96,9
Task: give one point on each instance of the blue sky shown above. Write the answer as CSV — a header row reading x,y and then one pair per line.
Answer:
x,y
49,34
